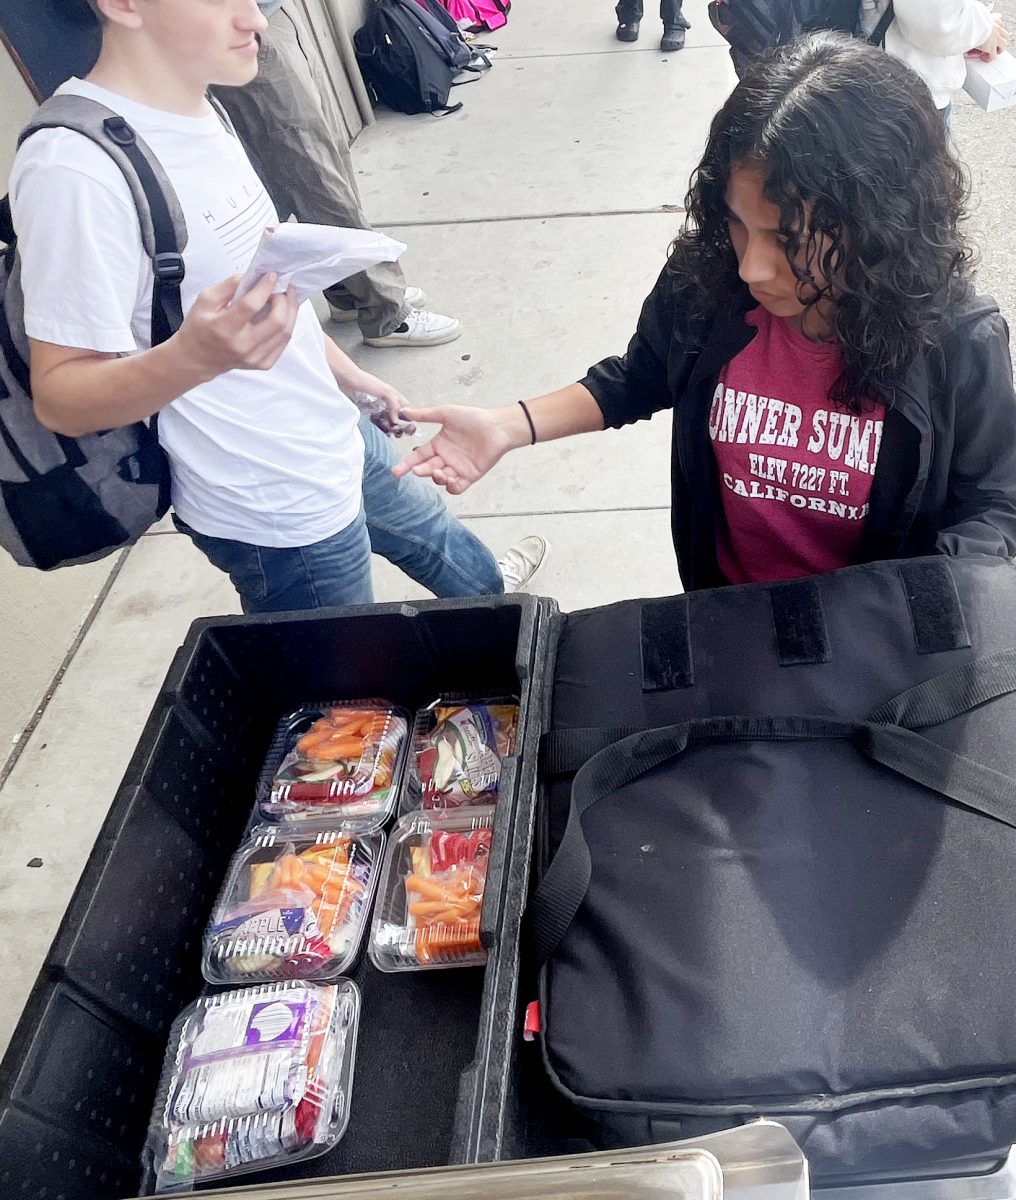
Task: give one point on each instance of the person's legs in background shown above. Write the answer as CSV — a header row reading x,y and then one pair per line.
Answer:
x,y
288,116
409,524
629,14
674,25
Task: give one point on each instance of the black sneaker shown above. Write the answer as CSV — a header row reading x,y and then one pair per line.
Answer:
x,y
628,31
673,38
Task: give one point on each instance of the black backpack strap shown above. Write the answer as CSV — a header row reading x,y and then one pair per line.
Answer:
x,y
220,112
877,37
968,783
167,261
6,223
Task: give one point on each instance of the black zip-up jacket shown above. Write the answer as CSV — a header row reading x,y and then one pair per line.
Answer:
x,y
945,482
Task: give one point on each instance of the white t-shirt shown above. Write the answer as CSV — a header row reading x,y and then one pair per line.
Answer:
x,y
932,36
268,457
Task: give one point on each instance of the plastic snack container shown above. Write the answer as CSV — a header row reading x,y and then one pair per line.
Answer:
x,y
255,1078
431,892
294,905
457,748
336,762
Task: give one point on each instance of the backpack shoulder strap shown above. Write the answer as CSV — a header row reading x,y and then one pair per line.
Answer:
x,y
882,28
6,223
220,112
163,228
107,130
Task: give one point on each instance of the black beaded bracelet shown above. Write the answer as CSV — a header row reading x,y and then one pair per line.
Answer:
x,y
529,418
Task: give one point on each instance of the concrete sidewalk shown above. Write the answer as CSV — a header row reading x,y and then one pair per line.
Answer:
x,y
540,214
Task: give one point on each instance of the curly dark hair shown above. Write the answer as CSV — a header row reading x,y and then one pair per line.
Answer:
x,y
856,158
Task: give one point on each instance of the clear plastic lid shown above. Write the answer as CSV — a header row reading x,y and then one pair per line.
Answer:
x,y
294,906
457,748
431,892
253,1079
336,762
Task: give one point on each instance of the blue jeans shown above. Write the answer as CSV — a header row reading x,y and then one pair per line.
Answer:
x,y
403,520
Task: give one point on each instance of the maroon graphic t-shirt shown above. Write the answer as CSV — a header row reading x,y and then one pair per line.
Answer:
x,y
795,471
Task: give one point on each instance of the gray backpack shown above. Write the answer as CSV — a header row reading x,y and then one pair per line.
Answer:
x,y
70,500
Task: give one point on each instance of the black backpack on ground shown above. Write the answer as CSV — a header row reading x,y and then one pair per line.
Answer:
x,y
67,500
779,865
411,56
752,27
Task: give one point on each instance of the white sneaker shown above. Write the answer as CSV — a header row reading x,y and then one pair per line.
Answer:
x,y
522,561
415,298
420,328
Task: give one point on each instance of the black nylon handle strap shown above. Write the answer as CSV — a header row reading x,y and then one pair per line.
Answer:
x,y
563,751
562,890
981,789
950,694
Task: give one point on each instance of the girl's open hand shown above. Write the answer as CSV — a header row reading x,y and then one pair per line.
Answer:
x,y
469,442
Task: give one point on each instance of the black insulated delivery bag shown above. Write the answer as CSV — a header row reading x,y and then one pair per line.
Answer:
x,y
779,865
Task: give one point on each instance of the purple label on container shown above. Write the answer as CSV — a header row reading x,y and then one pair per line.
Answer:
x,y
272,922
276,1020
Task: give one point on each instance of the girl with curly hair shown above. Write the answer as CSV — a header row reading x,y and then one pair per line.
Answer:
x,y
839,393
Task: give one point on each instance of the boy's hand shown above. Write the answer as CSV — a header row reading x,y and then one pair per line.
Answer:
x,y
996,43
217,336
384,405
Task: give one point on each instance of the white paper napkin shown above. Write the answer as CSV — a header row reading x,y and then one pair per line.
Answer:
x,y
313,257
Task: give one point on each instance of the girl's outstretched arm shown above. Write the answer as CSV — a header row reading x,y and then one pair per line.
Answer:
x,y
472,440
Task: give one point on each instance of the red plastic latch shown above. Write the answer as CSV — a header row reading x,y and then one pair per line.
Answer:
x,y
533,1024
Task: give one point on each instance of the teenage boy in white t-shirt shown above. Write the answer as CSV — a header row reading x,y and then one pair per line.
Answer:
x,y
274,476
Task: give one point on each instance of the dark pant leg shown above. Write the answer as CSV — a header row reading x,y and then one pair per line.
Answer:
x,y
628,10
670,14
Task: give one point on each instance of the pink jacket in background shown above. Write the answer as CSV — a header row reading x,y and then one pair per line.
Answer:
x,y
478,14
